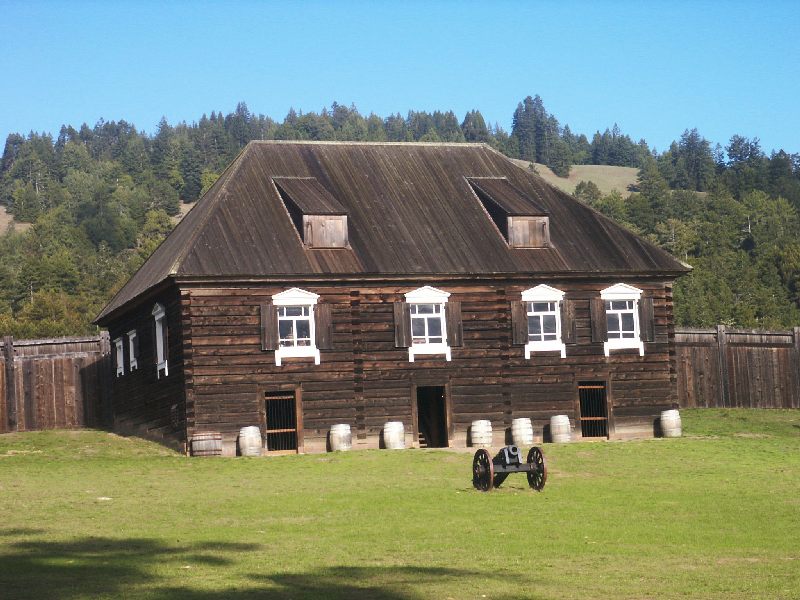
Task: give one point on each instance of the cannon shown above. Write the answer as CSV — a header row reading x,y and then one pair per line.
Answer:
x,y
488,472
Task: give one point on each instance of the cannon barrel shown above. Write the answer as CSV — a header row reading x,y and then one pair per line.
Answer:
x,y
510,455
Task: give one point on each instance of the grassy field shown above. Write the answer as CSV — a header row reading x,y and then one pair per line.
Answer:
x,y
605,177
715,514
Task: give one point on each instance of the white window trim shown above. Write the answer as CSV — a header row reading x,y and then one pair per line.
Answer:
x,y
545,293
622,291
430,295
133,364
159,314
297,297
119,356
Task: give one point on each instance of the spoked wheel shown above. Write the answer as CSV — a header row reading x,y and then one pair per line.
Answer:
x,y
482,471
538,475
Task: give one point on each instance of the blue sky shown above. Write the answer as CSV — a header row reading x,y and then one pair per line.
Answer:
x,y
655,69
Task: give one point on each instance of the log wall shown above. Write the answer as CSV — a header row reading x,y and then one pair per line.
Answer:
x,y
54,383
365,380
146,402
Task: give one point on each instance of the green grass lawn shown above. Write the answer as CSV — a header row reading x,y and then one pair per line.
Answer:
x,y
715,514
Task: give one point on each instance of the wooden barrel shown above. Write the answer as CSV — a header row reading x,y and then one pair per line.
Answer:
x,y
250,442
394,437
480,433
207,443
522,432
670,424
341,439
560,430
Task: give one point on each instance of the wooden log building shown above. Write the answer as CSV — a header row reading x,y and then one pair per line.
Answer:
x,y
334,282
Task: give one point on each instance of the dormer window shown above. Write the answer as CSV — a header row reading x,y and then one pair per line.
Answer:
x,y
521,222
528,232
320,219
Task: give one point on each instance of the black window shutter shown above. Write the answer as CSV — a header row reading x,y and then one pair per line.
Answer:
x,y
646,319
136,346
519,323
455,328
568,322
324,326
269,327
402,325
598,316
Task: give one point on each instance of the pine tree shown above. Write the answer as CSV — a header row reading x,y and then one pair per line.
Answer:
x,y
474,127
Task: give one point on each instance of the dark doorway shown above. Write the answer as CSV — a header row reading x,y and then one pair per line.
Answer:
x,y
594,413
281,422
432,417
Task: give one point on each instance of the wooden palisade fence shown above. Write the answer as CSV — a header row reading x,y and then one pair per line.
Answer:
x,y
735,368
65,382
54,383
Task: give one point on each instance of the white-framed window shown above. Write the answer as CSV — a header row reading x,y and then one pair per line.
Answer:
x,y
160,319
543,312
296,326
133,350
119,357
428,322
622,318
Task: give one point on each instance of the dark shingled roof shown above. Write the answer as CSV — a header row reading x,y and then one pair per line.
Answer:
x,y
506,196
411,211
309,195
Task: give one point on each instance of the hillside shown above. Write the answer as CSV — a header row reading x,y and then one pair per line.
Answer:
x,y
103,198
605,177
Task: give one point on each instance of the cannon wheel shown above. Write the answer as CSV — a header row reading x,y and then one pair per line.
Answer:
x,y
538,476
482,471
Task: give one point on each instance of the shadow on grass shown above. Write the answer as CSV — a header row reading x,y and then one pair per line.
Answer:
x,y
127,568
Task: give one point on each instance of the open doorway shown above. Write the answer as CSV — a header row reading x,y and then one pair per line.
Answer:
x,y
432,417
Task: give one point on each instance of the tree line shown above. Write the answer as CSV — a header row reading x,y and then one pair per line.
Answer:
x,y
101,198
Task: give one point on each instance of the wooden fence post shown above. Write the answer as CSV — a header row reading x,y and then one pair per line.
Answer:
x,y
796,369
11,383
724,376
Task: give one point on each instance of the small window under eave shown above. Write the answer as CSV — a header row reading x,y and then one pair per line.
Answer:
x,y
321,221
522,223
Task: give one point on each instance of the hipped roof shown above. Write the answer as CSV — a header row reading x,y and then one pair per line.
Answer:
x,y
411,211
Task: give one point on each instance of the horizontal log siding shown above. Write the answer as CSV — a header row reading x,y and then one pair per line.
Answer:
x,y
230,372
150,406
365,380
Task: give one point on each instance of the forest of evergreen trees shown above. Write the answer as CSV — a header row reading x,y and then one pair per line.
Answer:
x,y
101,198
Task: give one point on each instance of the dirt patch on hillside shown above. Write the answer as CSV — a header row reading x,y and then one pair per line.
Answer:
x,y
185,208
6,221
